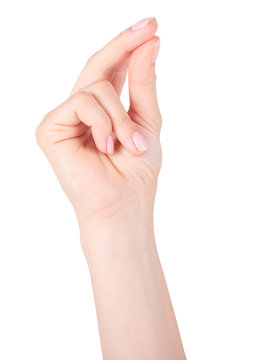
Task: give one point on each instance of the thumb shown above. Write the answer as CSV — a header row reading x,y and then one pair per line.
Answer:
x,y
142,85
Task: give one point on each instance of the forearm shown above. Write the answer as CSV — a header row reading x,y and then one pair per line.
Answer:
x,y
135,314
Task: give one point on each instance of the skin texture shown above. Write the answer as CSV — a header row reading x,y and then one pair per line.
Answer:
x,y
88,139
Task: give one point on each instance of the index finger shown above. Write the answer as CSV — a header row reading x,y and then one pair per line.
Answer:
x,y
103,63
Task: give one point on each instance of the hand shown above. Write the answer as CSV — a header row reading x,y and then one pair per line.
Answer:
x,y
107,161
105,158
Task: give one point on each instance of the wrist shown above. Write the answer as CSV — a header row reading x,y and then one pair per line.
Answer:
x,y
127,233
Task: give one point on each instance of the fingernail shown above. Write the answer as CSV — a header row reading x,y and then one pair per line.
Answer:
x,y
139,141
110,145
156,51
141,24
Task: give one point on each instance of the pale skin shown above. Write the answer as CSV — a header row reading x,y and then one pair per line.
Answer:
x,y
107,161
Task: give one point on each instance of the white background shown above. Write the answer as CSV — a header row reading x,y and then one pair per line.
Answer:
x,y
204,207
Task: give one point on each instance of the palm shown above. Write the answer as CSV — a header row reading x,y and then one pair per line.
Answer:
x,y
102,180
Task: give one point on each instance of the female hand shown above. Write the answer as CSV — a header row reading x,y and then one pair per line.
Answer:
x,y
106,159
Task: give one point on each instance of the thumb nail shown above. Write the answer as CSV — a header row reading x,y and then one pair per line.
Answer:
x,y
140,141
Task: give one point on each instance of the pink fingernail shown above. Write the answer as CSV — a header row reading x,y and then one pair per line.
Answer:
x,y
141,24
110,145
139,141
156,51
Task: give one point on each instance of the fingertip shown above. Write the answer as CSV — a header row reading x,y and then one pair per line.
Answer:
x,y
140,68
156,50
146,23
136,144
136,35
101,139
153,25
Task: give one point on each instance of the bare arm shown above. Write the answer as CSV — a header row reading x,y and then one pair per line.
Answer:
x,y
135,314
107,160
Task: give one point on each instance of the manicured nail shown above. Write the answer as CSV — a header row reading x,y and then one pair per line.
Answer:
x,y
139,141
141,24
156,51
110,145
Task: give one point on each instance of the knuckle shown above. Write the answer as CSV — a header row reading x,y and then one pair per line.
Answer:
x,y
82,97
92,58
40,132
103,84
